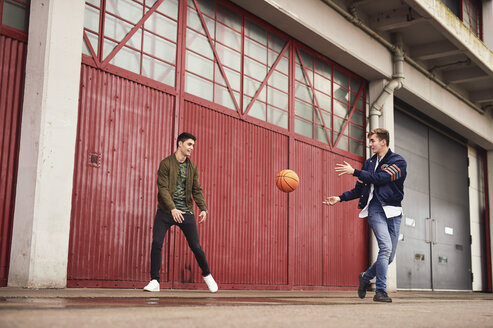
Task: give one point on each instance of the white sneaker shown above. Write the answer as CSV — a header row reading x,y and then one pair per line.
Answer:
x,y
152,286
211,283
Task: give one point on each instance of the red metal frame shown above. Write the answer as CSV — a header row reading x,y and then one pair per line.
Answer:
x,y
13,32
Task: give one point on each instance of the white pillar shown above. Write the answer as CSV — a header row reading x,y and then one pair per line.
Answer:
x,y
386,121
488,23
46,159
489,161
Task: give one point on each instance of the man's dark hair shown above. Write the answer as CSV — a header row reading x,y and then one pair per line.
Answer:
x,y
381,134
184,137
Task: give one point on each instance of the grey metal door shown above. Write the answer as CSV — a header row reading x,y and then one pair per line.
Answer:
x,y
434,250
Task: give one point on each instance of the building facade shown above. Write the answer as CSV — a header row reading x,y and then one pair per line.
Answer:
x,y
94,94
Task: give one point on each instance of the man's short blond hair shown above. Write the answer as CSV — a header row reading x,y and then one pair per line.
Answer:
x,y
381,134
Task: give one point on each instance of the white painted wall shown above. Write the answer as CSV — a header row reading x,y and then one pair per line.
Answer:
x,y
476,208
46,159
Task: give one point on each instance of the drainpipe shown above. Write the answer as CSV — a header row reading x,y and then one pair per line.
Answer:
x,y
394,84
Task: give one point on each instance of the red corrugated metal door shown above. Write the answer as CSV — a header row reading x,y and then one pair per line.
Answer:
x,y
12,66
124,131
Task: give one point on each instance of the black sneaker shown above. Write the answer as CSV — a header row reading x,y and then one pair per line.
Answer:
x,y
381,296
363,286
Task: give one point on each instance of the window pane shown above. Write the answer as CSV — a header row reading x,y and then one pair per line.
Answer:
x,y
126,9
357,147
97,3
322,84
320,134
115,28
327,119
255,32
357,117
299,74
194,22
168,7
162,26
258,111
343,142
355,85
255,69
14,15
206,6
303,109
307,59
303,127
223,97
323,69
357,132
276,42
277,117
340,109
228,17
233,78
159,71
250,87
324,101
228,36
341,78
199,65
277,98
339,124
229,57
199,44
256,50
198,86
303,92
160,48
93,38
128,59
91,19
279,81
108,47
341,93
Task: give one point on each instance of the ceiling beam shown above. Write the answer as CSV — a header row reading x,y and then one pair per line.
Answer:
x,y
463,75
434,50
395,18
482,96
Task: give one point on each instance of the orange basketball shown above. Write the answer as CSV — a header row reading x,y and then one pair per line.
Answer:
x,y
287,180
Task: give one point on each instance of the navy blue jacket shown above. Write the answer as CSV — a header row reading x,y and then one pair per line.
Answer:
x,y
388,181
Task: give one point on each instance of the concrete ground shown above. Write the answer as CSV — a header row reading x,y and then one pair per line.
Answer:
x,y
92,307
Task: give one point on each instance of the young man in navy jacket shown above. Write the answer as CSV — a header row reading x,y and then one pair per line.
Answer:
x,y
380,189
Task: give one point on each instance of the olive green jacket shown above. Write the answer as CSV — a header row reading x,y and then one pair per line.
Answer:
x,y
166,184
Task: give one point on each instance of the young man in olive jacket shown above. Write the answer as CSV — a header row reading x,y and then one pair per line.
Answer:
x,y
380,189
178,180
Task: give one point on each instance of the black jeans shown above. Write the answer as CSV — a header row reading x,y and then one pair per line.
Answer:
x,y
162,222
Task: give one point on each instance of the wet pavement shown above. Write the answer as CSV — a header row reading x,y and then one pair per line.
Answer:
x,y
88,307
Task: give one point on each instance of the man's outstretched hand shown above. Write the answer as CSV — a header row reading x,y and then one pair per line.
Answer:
x,y
345,168
331,200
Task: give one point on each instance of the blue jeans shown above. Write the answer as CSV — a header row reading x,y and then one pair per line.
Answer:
x,y
387,234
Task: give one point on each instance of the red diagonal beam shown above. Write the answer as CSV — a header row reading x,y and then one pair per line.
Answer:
x,y
351,112
221,68
259,90
314,96
91,50
131,33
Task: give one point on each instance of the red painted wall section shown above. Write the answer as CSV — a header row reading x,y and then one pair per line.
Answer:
x,y
124,131
12,66
246,236
330,243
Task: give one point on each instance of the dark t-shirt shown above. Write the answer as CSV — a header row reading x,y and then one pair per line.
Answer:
x,y
179,197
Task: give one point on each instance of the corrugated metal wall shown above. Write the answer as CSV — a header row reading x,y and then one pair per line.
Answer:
x,y
126,129
12,65
250,238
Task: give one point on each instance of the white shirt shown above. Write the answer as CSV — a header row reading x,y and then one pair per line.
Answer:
x,y
390,211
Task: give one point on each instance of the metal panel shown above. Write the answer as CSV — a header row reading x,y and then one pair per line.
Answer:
x,y
330,242
124,131
12,65
246,235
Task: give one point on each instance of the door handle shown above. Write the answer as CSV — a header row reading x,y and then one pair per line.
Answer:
x,y
434,231
428,230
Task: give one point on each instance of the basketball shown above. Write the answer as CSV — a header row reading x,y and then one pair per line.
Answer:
x,y
287,180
